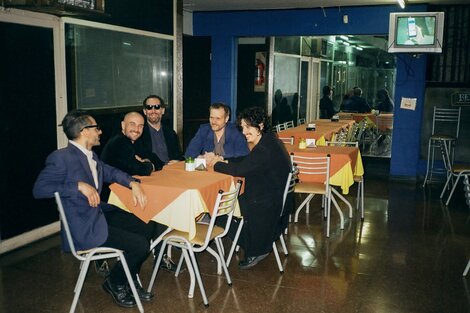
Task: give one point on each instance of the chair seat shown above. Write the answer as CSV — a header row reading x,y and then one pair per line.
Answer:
x,y
442,137
459,168
317,188
200,237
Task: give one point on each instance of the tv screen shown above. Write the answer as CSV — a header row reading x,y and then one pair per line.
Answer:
x,y
416,32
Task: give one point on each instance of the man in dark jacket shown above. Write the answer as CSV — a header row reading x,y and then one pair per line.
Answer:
x,y
157,137
358,103
327,106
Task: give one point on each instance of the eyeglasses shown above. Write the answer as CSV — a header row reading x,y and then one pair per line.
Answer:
x,y
154,106
91,126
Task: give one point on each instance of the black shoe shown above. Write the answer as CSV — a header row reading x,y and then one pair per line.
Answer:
x,y
251,261
120,294
143,294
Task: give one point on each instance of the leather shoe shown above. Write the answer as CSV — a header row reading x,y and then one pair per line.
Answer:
x,y
251,261
143,294
120,294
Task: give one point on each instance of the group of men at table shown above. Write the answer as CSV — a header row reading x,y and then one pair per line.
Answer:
x,y
143,146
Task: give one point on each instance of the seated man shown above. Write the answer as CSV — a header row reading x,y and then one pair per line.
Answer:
x,y
78,175
156,137
357,103
218,137
125,152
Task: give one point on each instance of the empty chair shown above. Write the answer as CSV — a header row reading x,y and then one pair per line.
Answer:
x,y
205,233
287,140
85,257
301,121
453,170
318,168
289,124
384,133
357,179
280,127
445,126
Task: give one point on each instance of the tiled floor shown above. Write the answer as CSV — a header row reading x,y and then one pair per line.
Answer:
x,y
407,256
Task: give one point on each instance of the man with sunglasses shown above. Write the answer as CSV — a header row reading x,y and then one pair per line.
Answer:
x,y
78,175
157,137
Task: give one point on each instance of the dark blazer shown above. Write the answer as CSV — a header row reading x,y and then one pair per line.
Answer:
x,y
171,140
235,143
120,152
357,104
327,107
64,169
265,171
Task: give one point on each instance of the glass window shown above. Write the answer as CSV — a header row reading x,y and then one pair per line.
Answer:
x,y
112,69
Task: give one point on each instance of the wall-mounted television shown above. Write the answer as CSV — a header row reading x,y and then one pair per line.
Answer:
x,y
416,32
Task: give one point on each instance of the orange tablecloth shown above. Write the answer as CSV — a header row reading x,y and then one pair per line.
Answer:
x,y
323,131
165,187
345,163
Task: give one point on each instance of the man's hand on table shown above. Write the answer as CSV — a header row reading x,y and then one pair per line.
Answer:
x,y
138,194
90,192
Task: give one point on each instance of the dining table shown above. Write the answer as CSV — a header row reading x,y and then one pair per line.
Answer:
x,y
175,197
324,131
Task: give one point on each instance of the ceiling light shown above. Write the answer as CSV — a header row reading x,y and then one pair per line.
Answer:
x,y
344,37
346,43
359,48
401,3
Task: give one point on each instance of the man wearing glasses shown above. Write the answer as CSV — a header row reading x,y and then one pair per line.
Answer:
x,y
159,138
78,175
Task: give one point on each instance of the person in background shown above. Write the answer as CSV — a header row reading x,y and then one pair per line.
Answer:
x,y
265,170
78,175
347,100
385,103
126,152
219,137
157,137
327,106
358,103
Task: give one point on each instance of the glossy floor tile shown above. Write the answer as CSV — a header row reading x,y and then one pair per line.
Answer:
x,y
407,256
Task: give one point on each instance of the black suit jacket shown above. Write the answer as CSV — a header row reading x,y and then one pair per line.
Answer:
x,y
171,140
265,171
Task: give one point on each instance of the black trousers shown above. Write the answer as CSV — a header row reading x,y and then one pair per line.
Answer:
x,y
130,234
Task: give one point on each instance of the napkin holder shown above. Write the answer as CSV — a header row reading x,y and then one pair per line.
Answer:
x,y
310,142
335,118
200,164
311,127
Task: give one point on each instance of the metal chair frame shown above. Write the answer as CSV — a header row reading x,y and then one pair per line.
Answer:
x,y
441,116
85,258
205,234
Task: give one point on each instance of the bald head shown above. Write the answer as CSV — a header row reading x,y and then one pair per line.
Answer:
x,y
132,125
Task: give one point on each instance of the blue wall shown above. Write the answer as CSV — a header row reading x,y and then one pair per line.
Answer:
x,y
225,27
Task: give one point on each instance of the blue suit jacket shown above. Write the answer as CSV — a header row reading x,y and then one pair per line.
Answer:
x,y
235,143
64,169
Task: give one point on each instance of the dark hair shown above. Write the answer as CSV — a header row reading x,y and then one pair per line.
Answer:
x,y
357,91
254,117
326,90
162,103
220,105
73,123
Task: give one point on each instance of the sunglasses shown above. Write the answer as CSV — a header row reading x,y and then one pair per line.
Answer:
x,y
155,107
91,126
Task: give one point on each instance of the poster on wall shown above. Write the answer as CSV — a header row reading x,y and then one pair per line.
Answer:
x,y
260,71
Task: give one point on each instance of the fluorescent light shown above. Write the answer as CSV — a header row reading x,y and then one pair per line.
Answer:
x,y
359,48
346,43
344,37
401,3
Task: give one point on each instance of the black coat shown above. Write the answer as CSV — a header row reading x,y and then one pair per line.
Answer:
x,y
171,140
265,171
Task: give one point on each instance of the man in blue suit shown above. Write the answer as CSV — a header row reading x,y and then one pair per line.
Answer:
x,y
218,137
78,175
